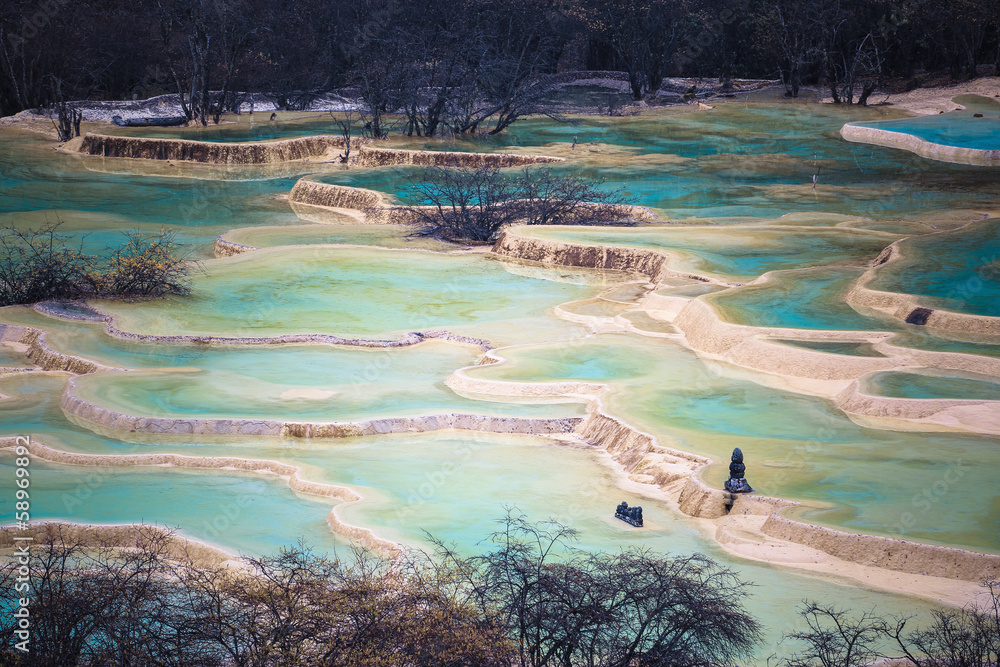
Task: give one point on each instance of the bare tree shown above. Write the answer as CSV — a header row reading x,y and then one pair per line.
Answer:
x,y
968,637
552,199
856,68
475,203
39,263
642,35
67,121
100,603
836,638
561,606
144,266
464,203
345,123
796,29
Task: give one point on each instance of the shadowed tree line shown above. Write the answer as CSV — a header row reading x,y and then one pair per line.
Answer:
x,y
469,65
529,599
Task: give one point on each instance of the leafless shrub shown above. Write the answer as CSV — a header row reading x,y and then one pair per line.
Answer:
x,y
42,263
968,637
527,601
560,606
476,203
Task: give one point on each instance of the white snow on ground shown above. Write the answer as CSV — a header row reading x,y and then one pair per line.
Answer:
x,y
169,105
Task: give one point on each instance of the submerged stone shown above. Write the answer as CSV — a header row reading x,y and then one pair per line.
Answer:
x,y
630,515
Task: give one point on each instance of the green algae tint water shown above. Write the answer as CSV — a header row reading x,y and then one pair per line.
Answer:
x,y
812,453
740,163
354,292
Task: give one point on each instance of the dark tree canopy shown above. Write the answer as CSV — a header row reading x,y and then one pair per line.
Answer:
x,y
470,65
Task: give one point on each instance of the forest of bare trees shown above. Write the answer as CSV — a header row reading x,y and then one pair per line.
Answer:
x,y
528,599
470,65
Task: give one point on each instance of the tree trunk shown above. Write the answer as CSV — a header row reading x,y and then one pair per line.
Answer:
x,y
635,81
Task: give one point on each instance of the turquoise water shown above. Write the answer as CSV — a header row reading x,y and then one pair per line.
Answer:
x,y
808,299
346,291
966,278
222,509
956,128
305,383
741,163
386,236
38,185
740,159
739,252
813,452
928,384
410,483
922,341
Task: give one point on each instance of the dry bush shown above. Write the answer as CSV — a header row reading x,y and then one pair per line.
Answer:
x,y
476,203
527,601
41,263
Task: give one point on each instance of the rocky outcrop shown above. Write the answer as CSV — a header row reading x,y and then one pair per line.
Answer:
x,y
370,207
886,552
314,193
314,147
635,260
628,446
44,357
213,152
364,206
638,453
372,156
922,147
699,500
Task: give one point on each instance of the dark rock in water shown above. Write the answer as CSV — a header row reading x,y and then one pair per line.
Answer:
x,y
919,316
630,515
157,121
977,115
737,483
